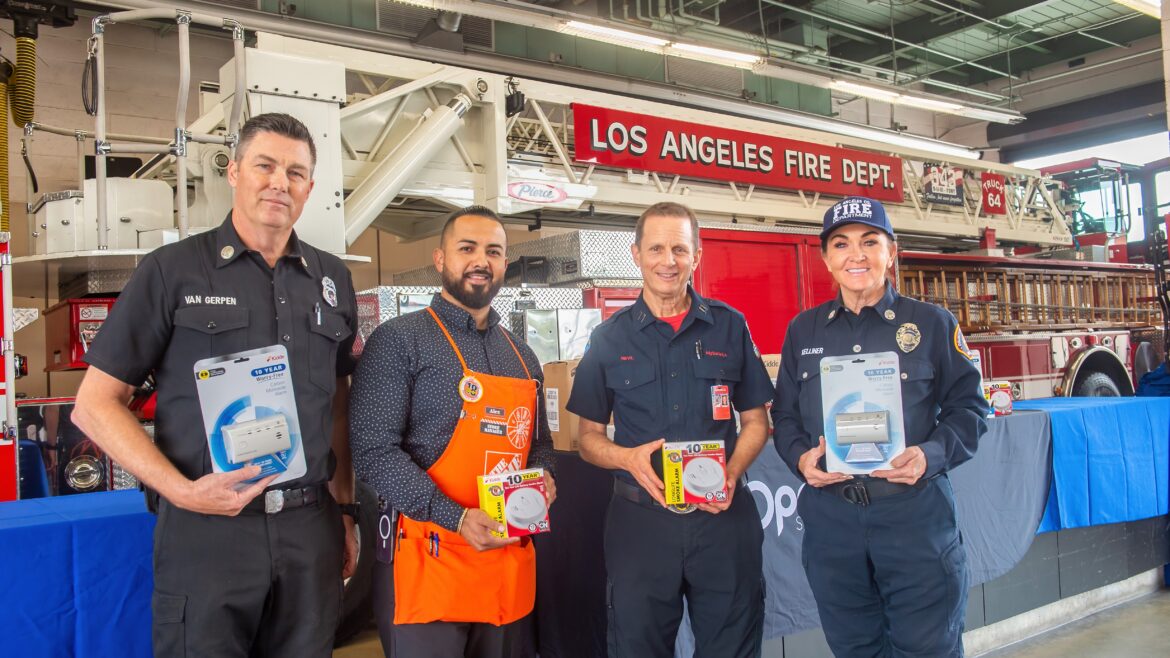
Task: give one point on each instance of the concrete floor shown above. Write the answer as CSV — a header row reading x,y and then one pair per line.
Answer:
x,y
1138,629
365,645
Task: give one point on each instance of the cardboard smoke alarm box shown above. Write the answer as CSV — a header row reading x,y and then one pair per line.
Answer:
x,y
772,363
999,397
516,499
558,384
694,472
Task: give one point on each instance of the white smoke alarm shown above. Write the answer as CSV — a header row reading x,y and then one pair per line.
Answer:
x,y
525,507
703,475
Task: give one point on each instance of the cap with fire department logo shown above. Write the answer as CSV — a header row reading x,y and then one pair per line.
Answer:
x,y
856,210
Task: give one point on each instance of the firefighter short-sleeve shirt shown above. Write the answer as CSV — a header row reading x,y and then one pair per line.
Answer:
x,y
208,295
658,383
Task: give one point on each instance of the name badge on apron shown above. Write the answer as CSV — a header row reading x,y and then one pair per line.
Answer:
x,y
720,403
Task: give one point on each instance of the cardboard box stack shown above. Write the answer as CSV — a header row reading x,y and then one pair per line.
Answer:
x,y
558,384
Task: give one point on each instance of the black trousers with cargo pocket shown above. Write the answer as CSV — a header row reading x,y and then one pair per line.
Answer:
x,y
251,585
654,557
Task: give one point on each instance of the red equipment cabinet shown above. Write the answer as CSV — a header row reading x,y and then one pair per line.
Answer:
x,y
69,329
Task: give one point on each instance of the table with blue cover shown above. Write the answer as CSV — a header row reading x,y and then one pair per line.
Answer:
x,y
77,576
1110,460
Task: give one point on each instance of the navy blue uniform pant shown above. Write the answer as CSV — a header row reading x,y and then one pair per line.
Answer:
x,y
890,578
249,585
654,557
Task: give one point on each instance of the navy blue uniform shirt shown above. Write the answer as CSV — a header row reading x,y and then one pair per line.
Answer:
x,y
943,407
657,383
209,295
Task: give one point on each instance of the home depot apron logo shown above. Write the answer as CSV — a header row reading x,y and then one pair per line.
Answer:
x,y
495,463
519,427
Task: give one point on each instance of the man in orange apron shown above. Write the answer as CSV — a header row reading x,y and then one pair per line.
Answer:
x,y
440,397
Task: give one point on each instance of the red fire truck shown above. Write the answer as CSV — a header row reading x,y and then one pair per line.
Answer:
x,y
432,137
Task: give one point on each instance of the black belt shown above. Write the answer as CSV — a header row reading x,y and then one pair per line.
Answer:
x,y
274,501
862,489
636,494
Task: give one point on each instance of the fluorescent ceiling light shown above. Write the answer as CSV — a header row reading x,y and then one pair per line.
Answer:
x,y
612,35
428,4
930,104
1147,7
991,114
865,90
763,67
713,55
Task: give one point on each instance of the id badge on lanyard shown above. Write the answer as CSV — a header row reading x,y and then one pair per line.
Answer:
x,y
720,402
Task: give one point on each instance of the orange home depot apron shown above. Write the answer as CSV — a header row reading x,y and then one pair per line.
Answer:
x,y
438,576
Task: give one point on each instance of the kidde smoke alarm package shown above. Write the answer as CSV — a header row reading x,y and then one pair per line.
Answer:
x,y
517,499
999,398
250,412
694,472
861,398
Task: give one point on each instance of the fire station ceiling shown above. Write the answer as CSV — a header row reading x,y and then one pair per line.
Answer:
x,y
983,54
960,42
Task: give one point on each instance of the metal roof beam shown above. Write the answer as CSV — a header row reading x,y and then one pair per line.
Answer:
x,y
928,27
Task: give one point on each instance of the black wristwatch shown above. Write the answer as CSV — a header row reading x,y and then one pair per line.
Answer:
x,y
350,509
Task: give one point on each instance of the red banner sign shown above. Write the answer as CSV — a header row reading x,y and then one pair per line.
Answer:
x,y
639,141
994,201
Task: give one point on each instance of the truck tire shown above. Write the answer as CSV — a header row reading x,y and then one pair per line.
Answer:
x,y
357,604
1097,385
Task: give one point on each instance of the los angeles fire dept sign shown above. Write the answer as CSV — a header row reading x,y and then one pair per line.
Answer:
x,y
638,141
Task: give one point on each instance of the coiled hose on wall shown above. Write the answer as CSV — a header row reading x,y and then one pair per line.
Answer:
x,y
18,88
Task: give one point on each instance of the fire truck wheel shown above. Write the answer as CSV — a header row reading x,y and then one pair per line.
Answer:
x,y
357,605
1097,385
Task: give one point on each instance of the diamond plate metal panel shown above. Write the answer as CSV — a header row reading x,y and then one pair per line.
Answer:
x,y
583,255
571,257
23,317
94,282
378,305
422,276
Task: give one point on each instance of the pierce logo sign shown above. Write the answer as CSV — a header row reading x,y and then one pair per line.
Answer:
x,y
536,192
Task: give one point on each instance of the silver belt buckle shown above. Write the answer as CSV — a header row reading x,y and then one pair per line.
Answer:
x,y
273,501
682,508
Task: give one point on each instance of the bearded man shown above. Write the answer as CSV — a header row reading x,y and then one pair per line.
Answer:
x,y
439,397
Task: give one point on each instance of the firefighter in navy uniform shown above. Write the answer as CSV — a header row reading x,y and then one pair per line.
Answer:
x,y
882,552
669,368
239,569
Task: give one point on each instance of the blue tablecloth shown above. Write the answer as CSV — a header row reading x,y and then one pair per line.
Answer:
x,y
77,576
1110,460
